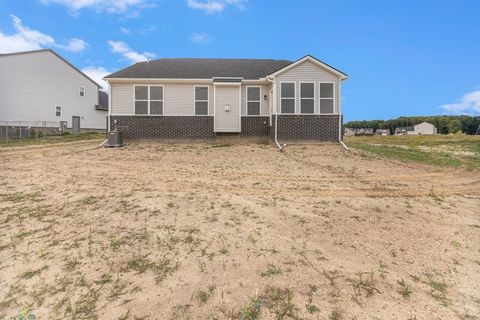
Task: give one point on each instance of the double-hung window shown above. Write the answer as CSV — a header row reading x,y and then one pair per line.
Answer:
x,y
82,91
58,111
287,96
327,97
253,100
307,97
201,100
148,99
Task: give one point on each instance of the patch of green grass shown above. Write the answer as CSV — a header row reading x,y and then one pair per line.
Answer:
x,y
438,150
52,139
408,154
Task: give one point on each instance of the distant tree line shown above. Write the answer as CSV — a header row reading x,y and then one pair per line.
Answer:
x,y
444,124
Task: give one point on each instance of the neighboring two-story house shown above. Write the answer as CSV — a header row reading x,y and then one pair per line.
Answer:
x,y
41,86
204,98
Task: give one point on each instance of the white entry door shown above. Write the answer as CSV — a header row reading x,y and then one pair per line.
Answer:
x,y
227,108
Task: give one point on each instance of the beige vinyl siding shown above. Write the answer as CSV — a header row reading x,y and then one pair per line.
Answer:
x,y
178,98
227,121
122,98
264,105
306,72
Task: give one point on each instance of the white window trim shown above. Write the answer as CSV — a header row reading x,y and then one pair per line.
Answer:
x,y
56,111
80,91
148,99
195,100
320,98
302,98
294,97
259,100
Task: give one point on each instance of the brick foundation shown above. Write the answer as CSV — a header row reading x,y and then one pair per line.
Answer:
x,y
303,127
290,127
165,127
253,126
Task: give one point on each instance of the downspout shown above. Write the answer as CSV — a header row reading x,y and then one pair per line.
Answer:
x,y
340,119
108,114
274,108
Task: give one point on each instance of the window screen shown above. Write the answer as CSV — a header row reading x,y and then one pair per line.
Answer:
x,y
307,97
327,97
287,97
201,100
253,100
156,99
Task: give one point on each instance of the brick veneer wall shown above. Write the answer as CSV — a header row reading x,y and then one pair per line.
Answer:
x,y
306,127
253,126
165,127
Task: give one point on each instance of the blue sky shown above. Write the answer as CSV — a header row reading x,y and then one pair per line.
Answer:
x,y
403,57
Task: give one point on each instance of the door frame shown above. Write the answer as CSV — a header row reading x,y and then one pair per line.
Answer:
x,y
227,84
79,126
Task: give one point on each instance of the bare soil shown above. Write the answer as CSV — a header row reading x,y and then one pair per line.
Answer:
x,y
205,231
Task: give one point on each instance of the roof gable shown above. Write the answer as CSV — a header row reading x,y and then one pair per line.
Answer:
x,y
316,62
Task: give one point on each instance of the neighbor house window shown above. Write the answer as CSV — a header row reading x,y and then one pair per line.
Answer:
x,y
156,99
58,111
201,100
82,91
148,99
253,100
307,97
327,100
287,94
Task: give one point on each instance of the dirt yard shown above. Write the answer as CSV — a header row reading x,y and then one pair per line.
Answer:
x,y
205,231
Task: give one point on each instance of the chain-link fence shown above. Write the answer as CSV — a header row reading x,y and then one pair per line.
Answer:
x,y
14,130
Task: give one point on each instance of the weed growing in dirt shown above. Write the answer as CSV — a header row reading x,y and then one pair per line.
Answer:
x,y
271,271
404,289
251,311
280,302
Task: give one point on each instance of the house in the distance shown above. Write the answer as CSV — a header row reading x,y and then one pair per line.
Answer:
x,y
40,87
382,132
203,98
423,128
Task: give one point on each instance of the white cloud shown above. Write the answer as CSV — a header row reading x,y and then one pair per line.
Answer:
x,y
468,104
201,38
27,39
215,6
124,30
74,45
110,6
97,74
129,54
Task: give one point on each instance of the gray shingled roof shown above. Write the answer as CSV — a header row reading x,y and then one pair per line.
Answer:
x,y
201,68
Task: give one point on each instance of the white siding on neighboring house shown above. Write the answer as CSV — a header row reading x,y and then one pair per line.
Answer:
x,y
306,72
32,84
179,99
264,105
425,128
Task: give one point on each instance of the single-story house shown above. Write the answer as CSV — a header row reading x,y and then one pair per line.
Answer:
x,y
40,88
363,131
349,132
383,132
204,98
423,128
